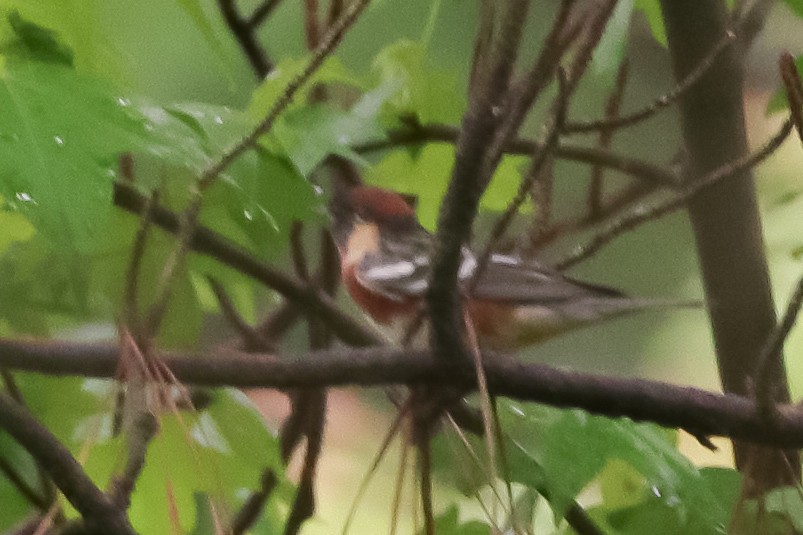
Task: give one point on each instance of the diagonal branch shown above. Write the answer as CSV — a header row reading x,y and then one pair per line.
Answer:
x,y
208,242
100,514
641,215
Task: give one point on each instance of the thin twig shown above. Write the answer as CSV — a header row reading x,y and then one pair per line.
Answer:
x,y
311,24
658,104
595,189
250,511
323,51
139,437
640,169
468,180
244,32
297,251
616,204
131,292
592,35
422,440
262,13
207,242
539,160
252,339
189,219
642,215
772,350
794,90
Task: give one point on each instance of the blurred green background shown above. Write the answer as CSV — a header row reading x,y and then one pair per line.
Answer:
x,y
166,55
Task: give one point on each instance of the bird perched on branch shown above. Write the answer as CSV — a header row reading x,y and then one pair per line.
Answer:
x,y
385,266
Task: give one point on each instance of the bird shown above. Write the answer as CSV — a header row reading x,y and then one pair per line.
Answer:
x,y
385,262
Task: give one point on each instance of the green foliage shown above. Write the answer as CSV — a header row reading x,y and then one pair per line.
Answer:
x,y
796,6
15,506
68,29
448,523
67,115
652,11
559,452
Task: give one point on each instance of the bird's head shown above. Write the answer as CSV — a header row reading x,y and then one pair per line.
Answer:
x,y
390,211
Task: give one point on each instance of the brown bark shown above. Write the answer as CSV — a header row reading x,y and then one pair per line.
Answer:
x,y
727,225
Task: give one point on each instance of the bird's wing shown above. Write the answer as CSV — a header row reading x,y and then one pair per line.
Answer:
x,y
508,278
400,271
395,278
398,275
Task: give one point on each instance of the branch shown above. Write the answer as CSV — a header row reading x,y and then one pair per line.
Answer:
x,y
263,12
772,349
99,512
726,222
641,215
698,411
323,51
479,127
244,32
658,104
208,242
640,169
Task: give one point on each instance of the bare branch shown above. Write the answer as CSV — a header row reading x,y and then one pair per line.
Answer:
x,y
207,242
772,349
641,215
699,411
658,104
324,49
540,158
640,169
244,32
794,90
595,189
97,509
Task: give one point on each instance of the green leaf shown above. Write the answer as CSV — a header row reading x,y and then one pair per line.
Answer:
x,y
197,461
661,517
611,48
109,264
42,286
416,88
14,227
425,173
308,135
15,505
76,27
267,195
60,136
275,84
36,42
652,10
779,512
448,523
560,452
195,11
796,6
621,485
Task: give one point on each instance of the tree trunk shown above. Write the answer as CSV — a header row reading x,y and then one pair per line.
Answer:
x,y
726,223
